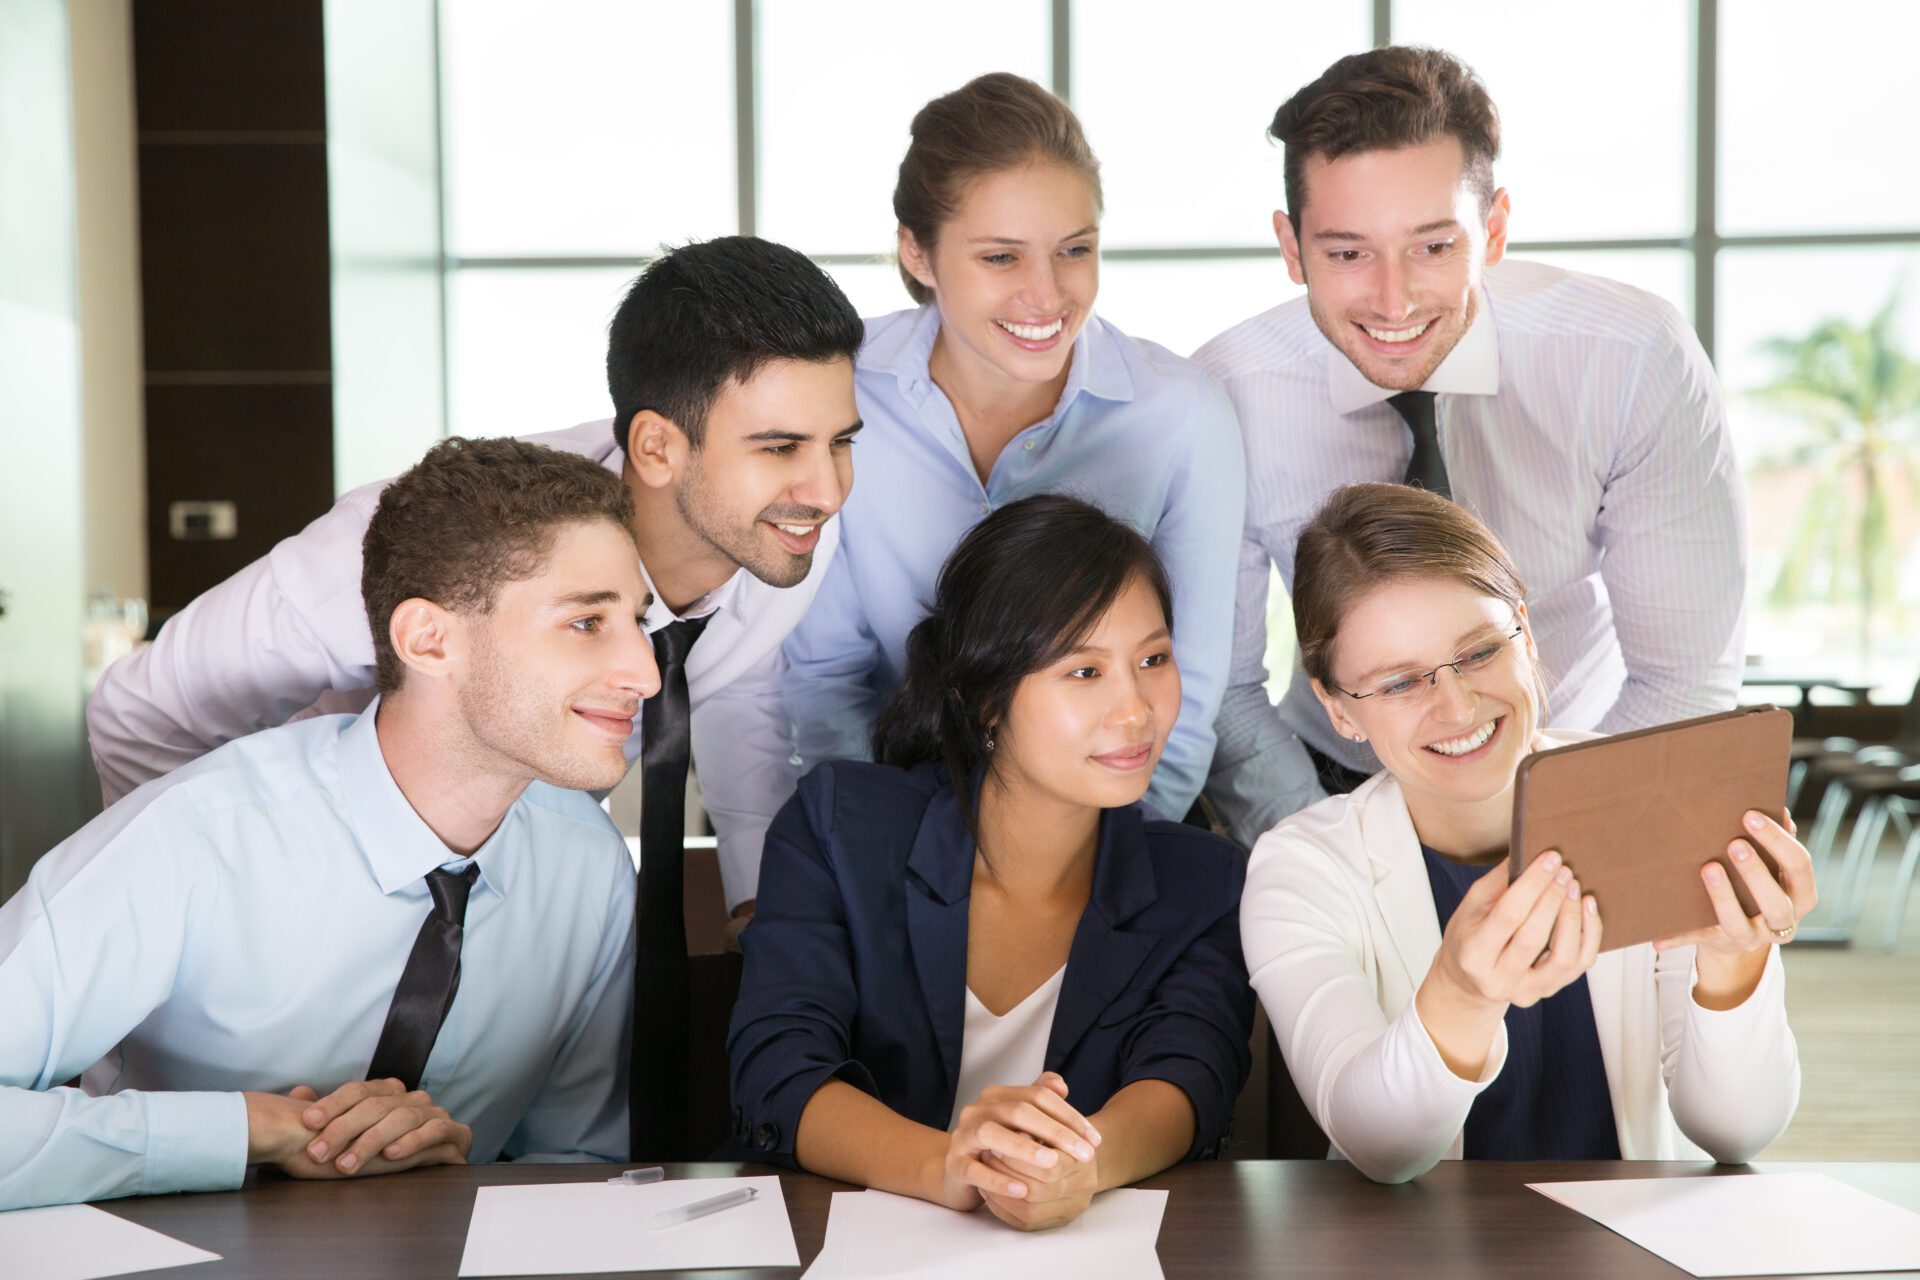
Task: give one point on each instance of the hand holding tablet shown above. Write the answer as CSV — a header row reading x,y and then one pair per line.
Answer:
x,y
1655,825
1732,952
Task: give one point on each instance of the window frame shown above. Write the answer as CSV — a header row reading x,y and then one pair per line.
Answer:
x,y
1703,243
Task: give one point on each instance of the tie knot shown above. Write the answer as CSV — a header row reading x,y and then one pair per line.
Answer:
x,y
1415,409
673,642
450,890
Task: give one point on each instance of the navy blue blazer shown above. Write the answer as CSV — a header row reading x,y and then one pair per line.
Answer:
x,y
856,961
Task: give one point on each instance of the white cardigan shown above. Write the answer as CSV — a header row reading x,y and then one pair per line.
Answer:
x,y
1339,927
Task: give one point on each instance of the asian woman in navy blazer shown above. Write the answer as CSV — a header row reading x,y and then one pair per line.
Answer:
x,y
980,969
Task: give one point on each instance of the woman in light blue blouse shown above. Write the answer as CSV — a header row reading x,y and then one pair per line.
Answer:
x,y
1002,383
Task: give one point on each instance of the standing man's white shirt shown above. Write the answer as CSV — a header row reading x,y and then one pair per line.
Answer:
x,y
289,633
1580,419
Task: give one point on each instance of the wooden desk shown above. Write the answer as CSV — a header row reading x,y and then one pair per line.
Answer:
x,y
1234,1218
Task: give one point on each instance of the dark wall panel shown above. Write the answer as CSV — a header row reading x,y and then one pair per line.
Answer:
x,y
242,283
215,65
231,100
266,449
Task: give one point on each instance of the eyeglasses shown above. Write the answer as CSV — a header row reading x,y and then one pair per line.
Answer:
x,y
1413,686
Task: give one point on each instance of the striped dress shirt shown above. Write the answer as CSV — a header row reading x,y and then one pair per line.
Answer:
x,y
1580,419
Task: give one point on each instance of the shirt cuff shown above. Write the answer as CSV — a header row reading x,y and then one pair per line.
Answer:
x,y
1436,1066
195,1142
1764,1005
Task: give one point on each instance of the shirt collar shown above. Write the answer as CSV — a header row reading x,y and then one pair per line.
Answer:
x,y
658,615
721,597
1472,368
399,846
943,848
1098,366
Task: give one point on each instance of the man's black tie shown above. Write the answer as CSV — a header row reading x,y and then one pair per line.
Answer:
x,y
427,984
657,1092
1427,470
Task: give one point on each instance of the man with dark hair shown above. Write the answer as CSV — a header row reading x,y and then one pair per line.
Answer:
x,y
409,909
1577,417
730,365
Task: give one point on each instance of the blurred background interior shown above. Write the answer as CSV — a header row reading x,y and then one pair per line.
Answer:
x,y
254,254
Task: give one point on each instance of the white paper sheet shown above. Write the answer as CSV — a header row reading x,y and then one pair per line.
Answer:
x,y
1762,1224
556,1229
80,1242
871,1235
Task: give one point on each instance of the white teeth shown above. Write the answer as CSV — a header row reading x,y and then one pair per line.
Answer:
x,y
796,530
1031,332
1467,742
1397,335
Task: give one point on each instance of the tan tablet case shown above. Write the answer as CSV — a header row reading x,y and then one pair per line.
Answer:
x,y
1637,815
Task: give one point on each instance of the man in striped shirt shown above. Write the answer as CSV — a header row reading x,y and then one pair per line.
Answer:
x,y
1579,418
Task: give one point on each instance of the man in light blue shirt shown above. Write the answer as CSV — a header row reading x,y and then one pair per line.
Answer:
x,y
1138,431
223,947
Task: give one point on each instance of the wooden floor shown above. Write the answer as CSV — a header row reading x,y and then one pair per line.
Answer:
x,y
1856,1014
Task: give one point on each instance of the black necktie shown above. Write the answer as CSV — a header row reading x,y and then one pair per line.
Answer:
x,y
657,1094
427,984
1427,470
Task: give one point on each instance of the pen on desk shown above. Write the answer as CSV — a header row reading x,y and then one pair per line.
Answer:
x,y
700,1209
638,1177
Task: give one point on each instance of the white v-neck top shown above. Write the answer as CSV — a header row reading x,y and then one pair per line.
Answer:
x,y
1008,1049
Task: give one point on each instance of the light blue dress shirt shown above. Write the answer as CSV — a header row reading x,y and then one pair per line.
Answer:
x,y
1139,432
241,924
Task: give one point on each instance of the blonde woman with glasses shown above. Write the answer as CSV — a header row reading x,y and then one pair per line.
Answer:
x,y
1428,1007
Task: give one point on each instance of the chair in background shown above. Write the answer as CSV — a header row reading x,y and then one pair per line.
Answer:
x,y
1880,785
1902,891
1292,1133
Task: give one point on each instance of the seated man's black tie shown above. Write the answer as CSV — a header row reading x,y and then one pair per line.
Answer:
x,y
1427,470
662,1014
428,983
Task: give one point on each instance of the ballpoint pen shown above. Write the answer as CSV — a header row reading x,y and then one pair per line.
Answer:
x,y
639,1177
700,1208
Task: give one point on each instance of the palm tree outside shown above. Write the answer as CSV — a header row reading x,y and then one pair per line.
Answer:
x,y
1855,395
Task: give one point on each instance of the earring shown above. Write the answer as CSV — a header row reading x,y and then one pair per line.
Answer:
x,y
1359,737
989,738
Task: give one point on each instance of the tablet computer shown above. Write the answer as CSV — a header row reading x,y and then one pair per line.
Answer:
x,y
1638,814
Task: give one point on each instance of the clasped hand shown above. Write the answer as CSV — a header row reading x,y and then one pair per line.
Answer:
x,y
364,1127
1026,1153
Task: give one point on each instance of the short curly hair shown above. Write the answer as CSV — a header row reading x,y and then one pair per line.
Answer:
x,y
468,518
1395,96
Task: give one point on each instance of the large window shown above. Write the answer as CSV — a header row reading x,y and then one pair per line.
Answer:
x,y
1721,154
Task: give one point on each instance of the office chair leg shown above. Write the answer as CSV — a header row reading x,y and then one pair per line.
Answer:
x,y
1826,823
1902,887
1859,879
1856,868
1796,774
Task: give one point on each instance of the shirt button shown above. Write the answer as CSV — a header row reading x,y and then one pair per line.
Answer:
x,y
986,509
1028,445
767,1137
